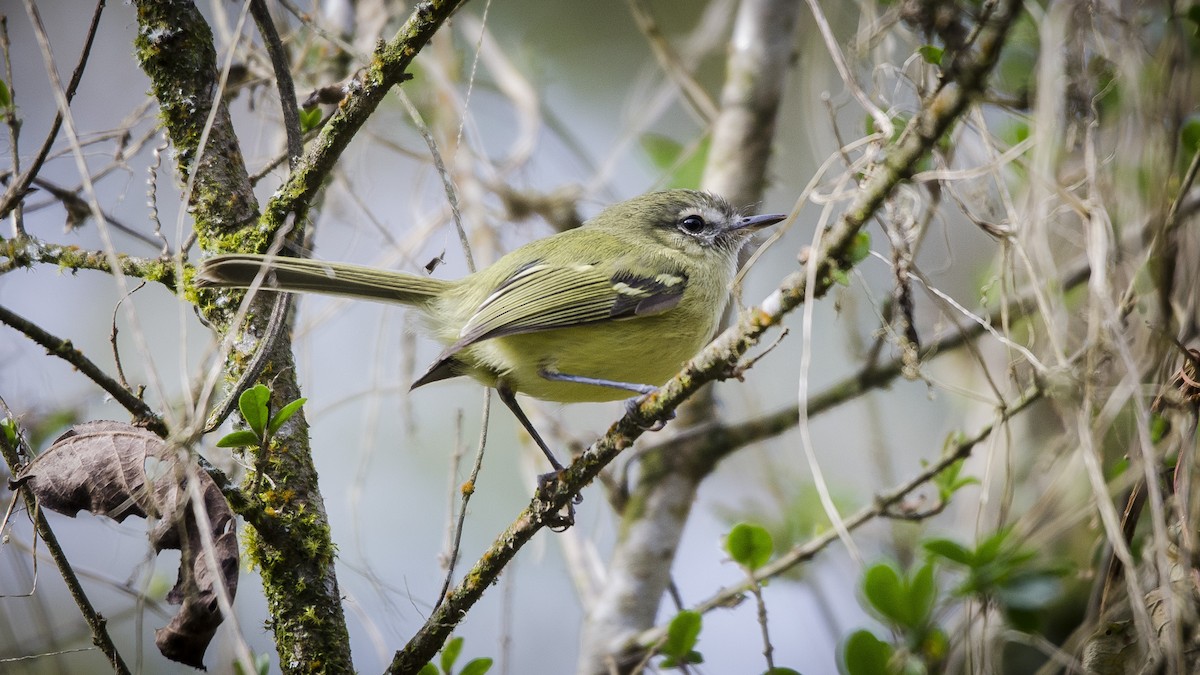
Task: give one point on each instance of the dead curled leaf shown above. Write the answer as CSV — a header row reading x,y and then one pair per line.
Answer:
x,y
118,470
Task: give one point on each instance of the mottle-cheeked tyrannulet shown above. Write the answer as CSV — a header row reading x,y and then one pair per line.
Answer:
x,y
591,314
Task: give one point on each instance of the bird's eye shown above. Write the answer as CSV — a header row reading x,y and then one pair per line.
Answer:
x,y
692,224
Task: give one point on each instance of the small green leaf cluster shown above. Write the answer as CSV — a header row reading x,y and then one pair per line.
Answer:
x,y
905,602
449,655
951,480
254,404
999,569
309,118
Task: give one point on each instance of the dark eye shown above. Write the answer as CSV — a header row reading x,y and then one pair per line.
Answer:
x,y
692,224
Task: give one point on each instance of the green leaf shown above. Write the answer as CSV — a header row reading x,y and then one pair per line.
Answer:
x,y
682,635
840,277
477,666
950,550
285,413
865,654
781,671
1159,426
1189,135
922,593
450,654
749,545
253,405
5,96
243,438
859,249
309,119
428,669
948,482
931,54
9,427
989,549
885,591
682,166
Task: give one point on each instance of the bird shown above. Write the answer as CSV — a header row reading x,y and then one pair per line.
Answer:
x,y
613,307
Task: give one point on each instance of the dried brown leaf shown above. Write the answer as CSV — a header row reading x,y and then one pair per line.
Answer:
x,y
118,470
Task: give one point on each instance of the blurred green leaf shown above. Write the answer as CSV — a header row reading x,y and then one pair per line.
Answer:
x,y
5,96
781,671
860,248
1189,136
253,406
428,669
450,654
884,590
1159,426
948,481
931,54
865,654
243,438
749,545
477,666
9,427
950,550
262,665
681,168
285,413
682,635
309,118
921,595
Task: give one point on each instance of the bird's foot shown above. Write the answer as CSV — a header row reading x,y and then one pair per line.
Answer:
x,y
560,520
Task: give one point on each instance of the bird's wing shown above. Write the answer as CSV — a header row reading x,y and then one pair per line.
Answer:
x,y
542,296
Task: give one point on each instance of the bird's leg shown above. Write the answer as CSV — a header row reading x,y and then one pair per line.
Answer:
x,y
556,376
631,405
544,480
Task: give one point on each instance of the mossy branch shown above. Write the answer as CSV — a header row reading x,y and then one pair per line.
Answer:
x,y
28,251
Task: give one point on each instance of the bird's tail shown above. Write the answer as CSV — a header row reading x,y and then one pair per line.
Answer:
x,y
317,276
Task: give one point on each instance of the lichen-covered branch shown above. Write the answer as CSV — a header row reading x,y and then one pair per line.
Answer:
x,y
27,251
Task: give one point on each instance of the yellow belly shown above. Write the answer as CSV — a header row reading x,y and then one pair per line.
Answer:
x,y
646,350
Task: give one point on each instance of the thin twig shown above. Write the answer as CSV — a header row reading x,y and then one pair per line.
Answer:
x,y
468,489
96,622
882,504
283,79
16,191
11,121
66,351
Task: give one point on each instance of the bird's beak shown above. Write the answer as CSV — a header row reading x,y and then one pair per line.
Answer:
x,y
754,223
